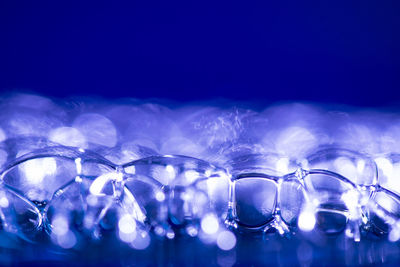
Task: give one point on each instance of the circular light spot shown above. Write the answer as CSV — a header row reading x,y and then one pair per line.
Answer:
x,y
209,224
4,202
97,129
127,237
67,241
127,224
170,168
68,136
159,231
192,231
160,196
170,234
394,235
306,221
226,240
60,226
36,170
191,175
141,241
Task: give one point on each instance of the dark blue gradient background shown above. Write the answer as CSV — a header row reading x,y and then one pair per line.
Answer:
x,y
325,51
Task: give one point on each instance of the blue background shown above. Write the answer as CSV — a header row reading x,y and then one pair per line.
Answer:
x,y
325,51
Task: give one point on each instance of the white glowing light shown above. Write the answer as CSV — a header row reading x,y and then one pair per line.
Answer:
x,y
130,169
304,164
349,233
132,150
67,241
393,181
306,221
127,237
119,177
210,224
78,164
212,184
386,202
191,176
345,167
160,196
88,221
182,146
159,231
164,174
60,226
4,202
385,165
127,224
192,231
218,187
68,136
97,129
226,240
390,173
92,200
282,165
36,170
295,139
187,195
2,135
141,241
99,183
351,199
394,234
170,169
360,166
170,234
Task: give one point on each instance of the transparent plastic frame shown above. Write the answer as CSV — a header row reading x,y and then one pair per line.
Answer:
x,y
19,217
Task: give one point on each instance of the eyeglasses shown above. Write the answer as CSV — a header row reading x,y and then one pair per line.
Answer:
x,y
352,178
262,197
44,184
178,190
272,204
64,190
305,198
384,213
333,203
